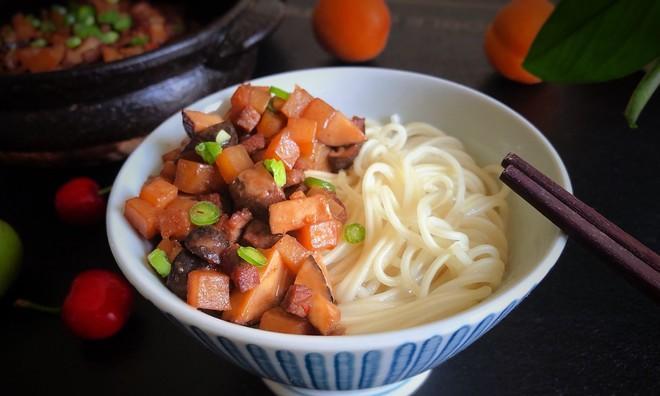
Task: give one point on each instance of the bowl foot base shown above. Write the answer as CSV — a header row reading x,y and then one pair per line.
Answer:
x,y
402,388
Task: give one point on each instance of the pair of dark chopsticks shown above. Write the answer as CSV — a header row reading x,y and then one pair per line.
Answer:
x,y
582,222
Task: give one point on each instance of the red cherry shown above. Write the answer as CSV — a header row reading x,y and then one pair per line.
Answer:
x,y
98,304
78,202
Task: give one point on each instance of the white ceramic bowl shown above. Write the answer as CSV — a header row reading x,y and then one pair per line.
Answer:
x,y
394,361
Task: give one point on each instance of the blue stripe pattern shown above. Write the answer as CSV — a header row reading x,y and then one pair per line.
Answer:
x,y
290,366
344,370
315,364
374,367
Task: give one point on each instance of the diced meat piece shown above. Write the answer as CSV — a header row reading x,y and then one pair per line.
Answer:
x,y
324,315
291,215
197,121
255,189
244,275
247,307
214,198
142,216
158,192
177,280
232,226
174,221
293,177
258,234
296,103
253,143
343,157
359,122
208,289
247,119
298,300
337,207
258,156
207,242
275,319
171,247
296,192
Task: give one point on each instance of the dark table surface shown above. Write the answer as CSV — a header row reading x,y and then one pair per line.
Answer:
x,y
584,330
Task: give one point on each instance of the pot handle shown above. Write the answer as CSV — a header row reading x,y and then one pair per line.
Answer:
x,y
259,19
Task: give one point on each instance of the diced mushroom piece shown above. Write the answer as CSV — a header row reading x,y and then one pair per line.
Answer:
x,y
177,280
254,143
210,134
298,300
247,307
343,157
312,273
257,234
275,319
197,121
255,189
294,214
232,226
244,275
207,242
208,289
324,315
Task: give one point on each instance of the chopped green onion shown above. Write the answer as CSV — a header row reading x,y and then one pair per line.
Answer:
x,y
252,256
276,168
109,37
158,260
139,40
84,31
47,27
354,233
59,9
204,213
279,92
89,21
222,137
84,12
34,21
209,151
38,43
314,182
110,17
70,19
73,42
124,22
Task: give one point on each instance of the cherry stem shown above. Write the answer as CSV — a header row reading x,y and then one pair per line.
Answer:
x,y
105,190
21,303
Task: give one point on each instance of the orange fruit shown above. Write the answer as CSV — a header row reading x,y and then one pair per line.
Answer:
x,y
352,30
510,35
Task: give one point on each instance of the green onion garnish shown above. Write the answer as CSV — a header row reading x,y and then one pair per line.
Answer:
x,y
73,42
222,137
109,37
204,213
279,92
252,256
209,151
47,27
158,259
38,43
70,19
84,12
84,31
276,168
124,22
110,17
89,21
139,40
34,21
354,233
314,182
59,9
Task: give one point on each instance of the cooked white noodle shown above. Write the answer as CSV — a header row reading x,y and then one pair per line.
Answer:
x,y
435,223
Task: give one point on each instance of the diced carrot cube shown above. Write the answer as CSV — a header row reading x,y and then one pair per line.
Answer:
x,y
313,274
318,236
171,247
303,132
318,160
283,148
270,124
241,97
158,192
38,60
110,54
196,121
174,220
296,103
319,111
259,98
142,216
197,178
292,252
208,289
291,215
168,172
232,161
324,315
275,319
277,103
23,27
340,131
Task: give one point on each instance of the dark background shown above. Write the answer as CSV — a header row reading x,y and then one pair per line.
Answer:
x,y
584,330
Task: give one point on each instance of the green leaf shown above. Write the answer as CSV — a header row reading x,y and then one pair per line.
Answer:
x,y
642,94
595,40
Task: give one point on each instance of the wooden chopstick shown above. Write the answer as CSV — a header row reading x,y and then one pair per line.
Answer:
x,y
577,220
